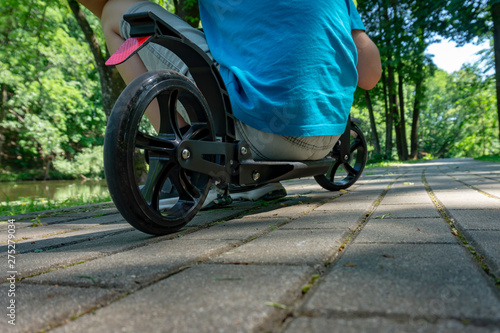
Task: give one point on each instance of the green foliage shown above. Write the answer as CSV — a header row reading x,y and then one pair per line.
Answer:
x,y
52,119
460,117
51,106
29,205
490,158
457,111
88,163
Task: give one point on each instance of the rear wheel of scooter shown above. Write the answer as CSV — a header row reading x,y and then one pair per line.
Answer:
x,y
343,174
147,184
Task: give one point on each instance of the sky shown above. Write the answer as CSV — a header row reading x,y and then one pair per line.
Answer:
x,y
450,58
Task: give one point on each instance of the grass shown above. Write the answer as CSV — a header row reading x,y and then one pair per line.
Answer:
x,y
378,163
490,158
381,164
370,164
29,205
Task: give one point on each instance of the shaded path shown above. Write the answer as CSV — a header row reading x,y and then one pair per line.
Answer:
x,y
407,248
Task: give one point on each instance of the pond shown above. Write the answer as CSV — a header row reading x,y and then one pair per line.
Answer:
x,y
53,190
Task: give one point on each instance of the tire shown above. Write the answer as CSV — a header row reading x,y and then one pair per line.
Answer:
x,y
342,175
129,134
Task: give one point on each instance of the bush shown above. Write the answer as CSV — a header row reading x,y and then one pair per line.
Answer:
x,y
89,164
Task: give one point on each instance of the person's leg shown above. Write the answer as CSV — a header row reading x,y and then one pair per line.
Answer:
x,y
112,15
267,146
157,57
272,147
153,56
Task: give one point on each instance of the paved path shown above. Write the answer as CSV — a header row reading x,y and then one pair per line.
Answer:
x,y
407,249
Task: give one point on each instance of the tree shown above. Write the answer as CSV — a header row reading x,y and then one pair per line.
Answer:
x,y
476,20
373,124
459,118
50,106
111,82
189,11
403,29
495,14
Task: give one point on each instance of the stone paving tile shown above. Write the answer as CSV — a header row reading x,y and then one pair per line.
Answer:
x,y
85,219
73,212
319,197
208,298
415,199
345,203
67,238
72,215
139,267
289,209
405,211
28,223
444,183
374,186
466,199
304,185
383,325
478,181
411,191
208,216
39,307
475,219
429,230
408,184
418,281
494,190
360,195
490,184
238,229
318,219
288,247
38,262
487,243
27,235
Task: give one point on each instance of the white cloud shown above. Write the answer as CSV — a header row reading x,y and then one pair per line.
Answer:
x,y
450,58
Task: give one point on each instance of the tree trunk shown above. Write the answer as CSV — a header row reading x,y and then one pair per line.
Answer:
x,y
3,115
388,118
416,114
189,11
495,13
402,118
393,107
373,125
111,82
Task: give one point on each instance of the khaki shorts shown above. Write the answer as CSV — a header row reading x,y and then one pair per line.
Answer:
x,y
263,145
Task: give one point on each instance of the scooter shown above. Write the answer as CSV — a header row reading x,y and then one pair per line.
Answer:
x,y
191,159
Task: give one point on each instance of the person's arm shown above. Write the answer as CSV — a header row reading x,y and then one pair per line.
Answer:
x,y
369,66
95,6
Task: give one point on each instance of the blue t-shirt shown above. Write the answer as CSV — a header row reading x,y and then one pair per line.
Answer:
x,y
289,65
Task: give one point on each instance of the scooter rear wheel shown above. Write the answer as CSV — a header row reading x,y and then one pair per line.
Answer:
x,y
343,174
130,134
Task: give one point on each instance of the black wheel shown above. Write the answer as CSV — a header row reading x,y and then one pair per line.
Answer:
x,y
148,186
343,174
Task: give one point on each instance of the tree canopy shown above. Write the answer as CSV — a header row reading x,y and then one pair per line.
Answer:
x,y
56,93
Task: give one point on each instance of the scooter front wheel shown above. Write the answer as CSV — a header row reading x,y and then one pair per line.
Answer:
x,y
147,184
344,173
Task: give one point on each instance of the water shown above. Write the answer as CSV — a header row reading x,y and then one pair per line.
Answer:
x,y
53,190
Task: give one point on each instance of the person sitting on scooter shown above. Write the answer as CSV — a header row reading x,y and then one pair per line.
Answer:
x,y
291,69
